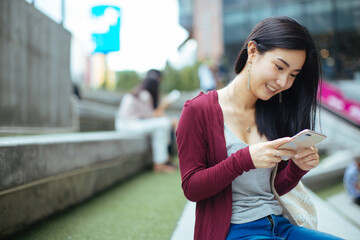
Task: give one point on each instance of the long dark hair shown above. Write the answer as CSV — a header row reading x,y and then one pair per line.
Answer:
x,y
298,108
151,84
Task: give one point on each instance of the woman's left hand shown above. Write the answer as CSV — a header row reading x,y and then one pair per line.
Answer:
x,y
307,159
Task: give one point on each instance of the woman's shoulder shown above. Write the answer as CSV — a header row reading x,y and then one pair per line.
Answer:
x,y
202,100
144,95
126,98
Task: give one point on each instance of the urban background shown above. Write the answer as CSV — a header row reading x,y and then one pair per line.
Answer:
x,y
66,173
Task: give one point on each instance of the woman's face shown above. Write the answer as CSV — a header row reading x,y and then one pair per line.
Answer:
x,y
275,71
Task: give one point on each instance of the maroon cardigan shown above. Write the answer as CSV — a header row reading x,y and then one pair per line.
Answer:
x,y
206,170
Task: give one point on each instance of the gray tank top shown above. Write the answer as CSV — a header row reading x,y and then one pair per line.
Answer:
x,y
251,191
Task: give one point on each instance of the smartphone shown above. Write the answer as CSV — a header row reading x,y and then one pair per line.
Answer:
x,y
304,139
173,96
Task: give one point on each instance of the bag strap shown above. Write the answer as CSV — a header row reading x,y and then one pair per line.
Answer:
x,y
296,204
286,212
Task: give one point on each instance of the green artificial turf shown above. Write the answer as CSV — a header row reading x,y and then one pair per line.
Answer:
x,y
146,206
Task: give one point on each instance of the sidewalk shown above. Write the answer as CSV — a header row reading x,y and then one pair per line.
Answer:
x,y
330,221
344,204
185,225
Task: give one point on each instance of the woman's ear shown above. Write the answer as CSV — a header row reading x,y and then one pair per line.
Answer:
x,y
251,50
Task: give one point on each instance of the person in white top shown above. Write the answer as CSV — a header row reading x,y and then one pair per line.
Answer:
x,y
140,113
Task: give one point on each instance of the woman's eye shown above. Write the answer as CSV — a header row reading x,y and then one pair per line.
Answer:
x,y
293,75
278,67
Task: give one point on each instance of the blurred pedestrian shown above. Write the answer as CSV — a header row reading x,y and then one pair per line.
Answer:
x,y
141,113
352,180
228,139
76,90
206,76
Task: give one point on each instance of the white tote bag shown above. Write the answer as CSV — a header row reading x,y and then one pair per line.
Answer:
x,y
297,205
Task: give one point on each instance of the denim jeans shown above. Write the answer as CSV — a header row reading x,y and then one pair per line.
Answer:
x,y
274,227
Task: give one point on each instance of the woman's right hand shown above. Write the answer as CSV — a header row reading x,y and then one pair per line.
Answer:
x,y
158,113
266,154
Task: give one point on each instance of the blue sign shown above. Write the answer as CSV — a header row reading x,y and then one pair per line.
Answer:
x,y
106,28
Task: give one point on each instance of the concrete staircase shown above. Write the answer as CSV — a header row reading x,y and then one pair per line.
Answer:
x,y
41,175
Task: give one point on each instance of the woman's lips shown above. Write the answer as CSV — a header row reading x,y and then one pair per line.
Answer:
x,y
271,88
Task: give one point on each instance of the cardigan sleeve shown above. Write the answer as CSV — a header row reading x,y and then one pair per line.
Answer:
x,y
287,177
199,179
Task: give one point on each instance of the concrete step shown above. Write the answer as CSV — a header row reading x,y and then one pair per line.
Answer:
x,y
94,116
344,204
331,221
41,175
330,170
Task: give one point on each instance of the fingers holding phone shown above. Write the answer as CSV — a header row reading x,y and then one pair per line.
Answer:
x,y
307,159
305,139
303,143
299,147
266,154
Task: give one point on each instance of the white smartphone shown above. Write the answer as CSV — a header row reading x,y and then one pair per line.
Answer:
x,y
304,139
173,96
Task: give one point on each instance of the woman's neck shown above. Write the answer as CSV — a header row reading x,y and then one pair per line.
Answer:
x,y
241,97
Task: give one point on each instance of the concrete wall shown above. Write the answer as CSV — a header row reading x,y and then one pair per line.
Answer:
x,y
41,175
97,110
35,84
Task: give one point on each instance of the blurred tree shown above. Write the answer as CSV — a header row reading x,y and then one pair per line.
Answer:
x,y
185,79
127,80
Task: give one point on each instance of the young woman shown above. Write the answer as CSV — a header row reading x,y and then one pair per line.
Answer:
x,y
141,113
227,139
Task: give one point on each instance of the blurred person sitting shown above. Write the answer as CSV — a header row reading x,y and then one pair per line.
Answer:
x,y
141,113
352,180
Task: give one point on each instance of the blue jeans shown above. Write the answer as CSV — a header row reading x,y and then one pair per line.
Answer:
x,y
274,227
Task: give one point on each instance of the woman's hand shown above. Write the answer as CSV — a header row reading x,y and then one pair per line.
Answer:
x,y
158,113
307,159
160,110
266,154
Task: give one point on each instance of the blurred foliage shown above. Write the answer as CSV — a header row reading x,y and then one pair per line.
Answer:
x,y
185,79
127,80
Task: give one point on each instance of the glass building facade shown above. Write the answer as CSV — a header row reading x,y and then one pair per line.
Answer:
x,y
334,25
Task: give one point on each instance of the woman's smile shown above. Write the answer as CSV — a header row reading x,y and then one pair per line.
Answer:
x,y
270,88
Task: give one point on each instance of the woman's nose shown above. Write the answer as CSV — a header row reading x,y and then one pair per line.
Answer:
x,y
281,81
